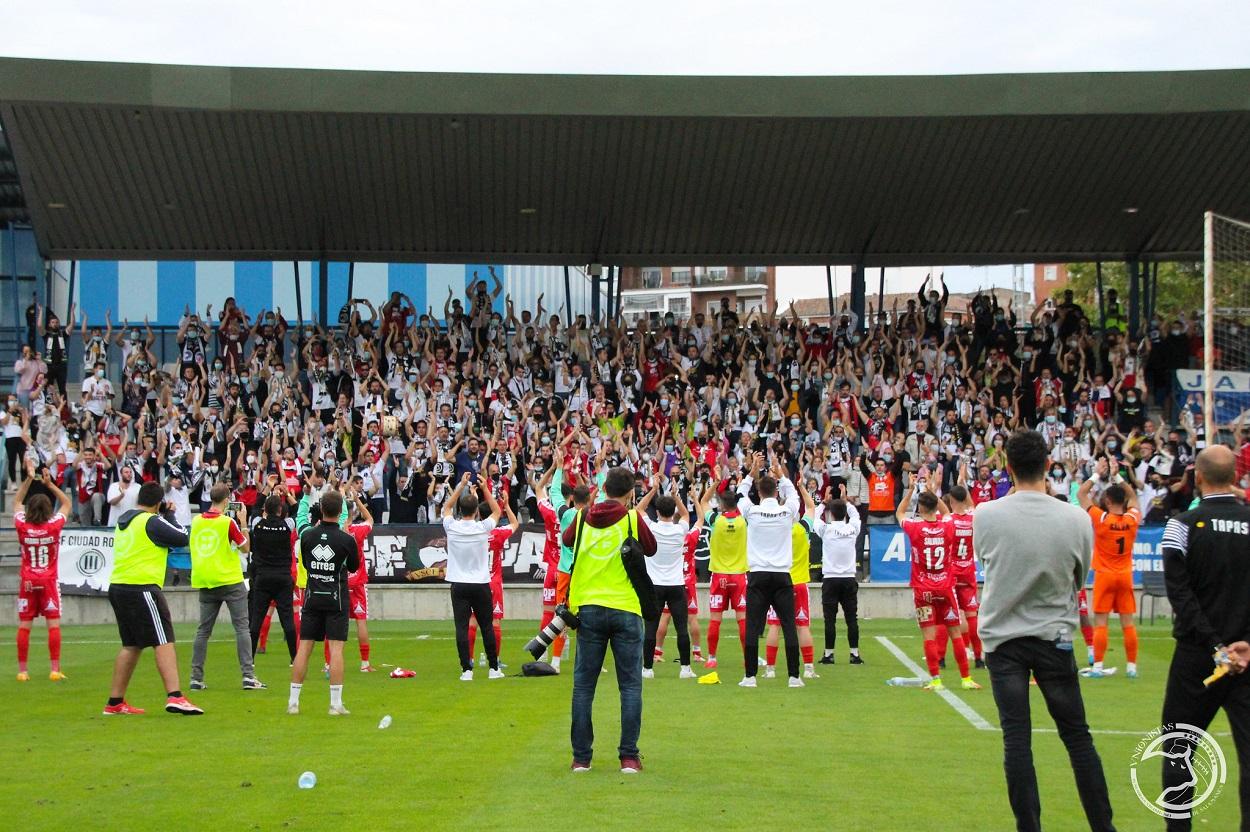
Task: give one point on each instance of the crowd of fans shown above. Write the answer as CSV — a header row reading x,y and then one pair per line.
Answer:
x,y
395,404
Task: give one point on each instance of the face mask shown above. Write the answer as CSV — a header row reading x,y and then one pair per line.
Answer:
x,y
99,374
751,418
216,365
1112,445
828,376
663,402
251,458
1050,419
733,399
1130,399
243,379
794,385
668,449
794,423
769,375
1175,331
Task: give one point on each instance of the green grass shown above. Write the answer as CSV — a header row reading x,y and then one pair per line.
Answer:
x,y
847,752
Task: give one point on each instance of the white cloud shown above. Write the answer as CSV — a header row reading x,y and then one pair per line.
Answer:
x,y
642,37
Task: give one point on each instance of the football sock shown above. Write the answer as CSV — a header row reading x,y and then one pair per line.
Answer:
x,y
1087,632
557,646
931,656
23,649
809,653
713,637
499,639
115,700
770,655
941,644
546,619
742,633
472,638
327,651
174,694
293,699
336,696
264,632
1100,644
829,652
54,647
973,636
854,651
364,652
961,656
1130,645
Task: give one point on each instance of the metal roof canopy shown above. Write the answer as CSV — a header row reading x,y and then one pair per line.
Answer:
x,y
142,161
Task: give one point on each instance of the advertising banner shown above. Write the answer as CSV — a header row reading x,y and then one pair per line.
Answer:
x,y
890,554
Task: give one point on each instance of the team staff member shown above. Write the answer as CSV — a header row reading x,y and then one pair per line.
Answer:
x,y
329,555
272,581
838,526
800,576
498,539
604,599
1206,563
1036,552
140,548
769,558
1115,531
468,571
666,573
218,574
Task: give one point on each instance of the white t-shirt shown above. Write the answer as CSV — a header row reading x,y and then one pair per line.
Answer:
x,y
468,550
769,526
128,501
837,539
665,567
96,391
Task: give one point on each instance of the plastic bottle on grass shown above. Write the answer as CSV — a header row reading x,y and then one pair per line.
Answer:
x,y
904,682
307,780
385,723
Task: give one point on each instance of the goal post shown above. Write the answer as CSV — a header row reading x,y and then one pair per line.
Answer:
x,y
1208,328
1225,324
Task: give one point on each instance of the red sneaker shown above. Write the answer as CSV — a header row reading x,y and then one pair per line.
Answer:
x,y
122,708
581,765
630,765
182,705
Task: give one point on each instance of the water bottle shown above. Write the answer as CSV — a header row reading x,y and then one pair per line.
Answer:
x,y
307,780
904,682
385,723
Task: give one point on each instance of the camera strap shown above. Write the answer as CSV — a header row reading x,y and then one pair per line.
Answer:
x,y
577,540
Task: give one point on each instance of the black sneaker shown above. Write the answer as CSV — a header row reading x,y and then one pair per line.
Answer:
x,y
942,663
855,659
826,659
198,685
252,683
980,664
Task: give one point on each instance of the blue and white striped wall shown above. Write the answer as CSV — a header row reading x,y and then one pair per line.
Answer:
x,y
161,290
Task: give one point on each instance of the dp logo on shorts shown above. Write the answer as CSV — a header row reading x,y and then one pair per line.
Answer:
x,y
1198,767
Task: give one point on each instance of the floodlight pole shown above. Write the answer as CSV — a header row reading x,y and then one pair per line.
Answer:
x,y
829,288
568,300
299,295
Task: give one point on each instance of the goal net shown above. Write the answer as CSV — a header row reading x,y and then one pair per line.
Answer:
x,y
1226,318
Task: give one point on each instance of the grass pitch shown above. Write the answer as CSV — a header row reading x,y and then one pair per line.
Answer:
x,y
846,752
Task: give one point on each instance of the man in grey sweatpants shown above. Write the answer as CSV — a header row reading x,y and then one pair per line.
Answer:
x,y
218,574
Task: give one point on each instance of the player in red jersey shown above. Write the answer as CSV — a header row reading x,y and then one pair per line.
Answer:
x,y
933,580
38,593
498,538
964,565
551,539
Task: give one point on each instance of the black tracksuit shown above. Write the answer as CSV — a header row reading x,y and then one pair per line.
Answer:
x,y
271,577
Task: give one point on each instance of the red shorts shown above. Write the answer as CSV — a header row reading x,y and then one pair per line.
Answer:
x,y
966,596
802,608
549,586
496,597
1082,603
692,597
38,595
936,606
358,602
727,592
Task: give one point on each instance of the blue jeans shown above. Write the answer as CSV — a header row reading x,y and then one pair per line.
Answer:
x,y
601,626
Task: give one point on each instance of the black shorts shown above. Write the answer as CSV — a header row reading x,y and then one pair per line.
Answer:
x,y
142,615
323,625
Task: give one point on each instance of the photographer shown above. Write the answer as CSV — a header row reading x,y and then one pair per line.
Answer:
x,y
603,597
218,574
468,571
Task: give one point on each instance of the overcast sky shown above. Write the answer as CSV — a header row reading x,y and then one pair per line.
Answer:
x,y
641,37
729,37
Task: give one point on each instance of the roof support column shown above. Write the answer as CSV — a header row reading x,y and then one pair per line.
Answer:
x,y
1134,298
299,296
857,295
881,294
1102,307
323,288
73,278
596,286
568,300
616,307
829,288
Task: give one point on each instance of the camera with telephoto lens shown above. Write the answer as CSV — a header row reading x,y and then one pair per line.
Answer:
x,y
562,618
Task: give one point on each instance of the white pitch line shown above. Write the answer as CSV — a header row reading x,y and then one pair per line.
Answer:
x,y
962,707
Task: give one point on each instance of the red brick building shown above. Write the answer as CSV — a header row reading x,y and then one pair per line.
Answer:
x,y
683,290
